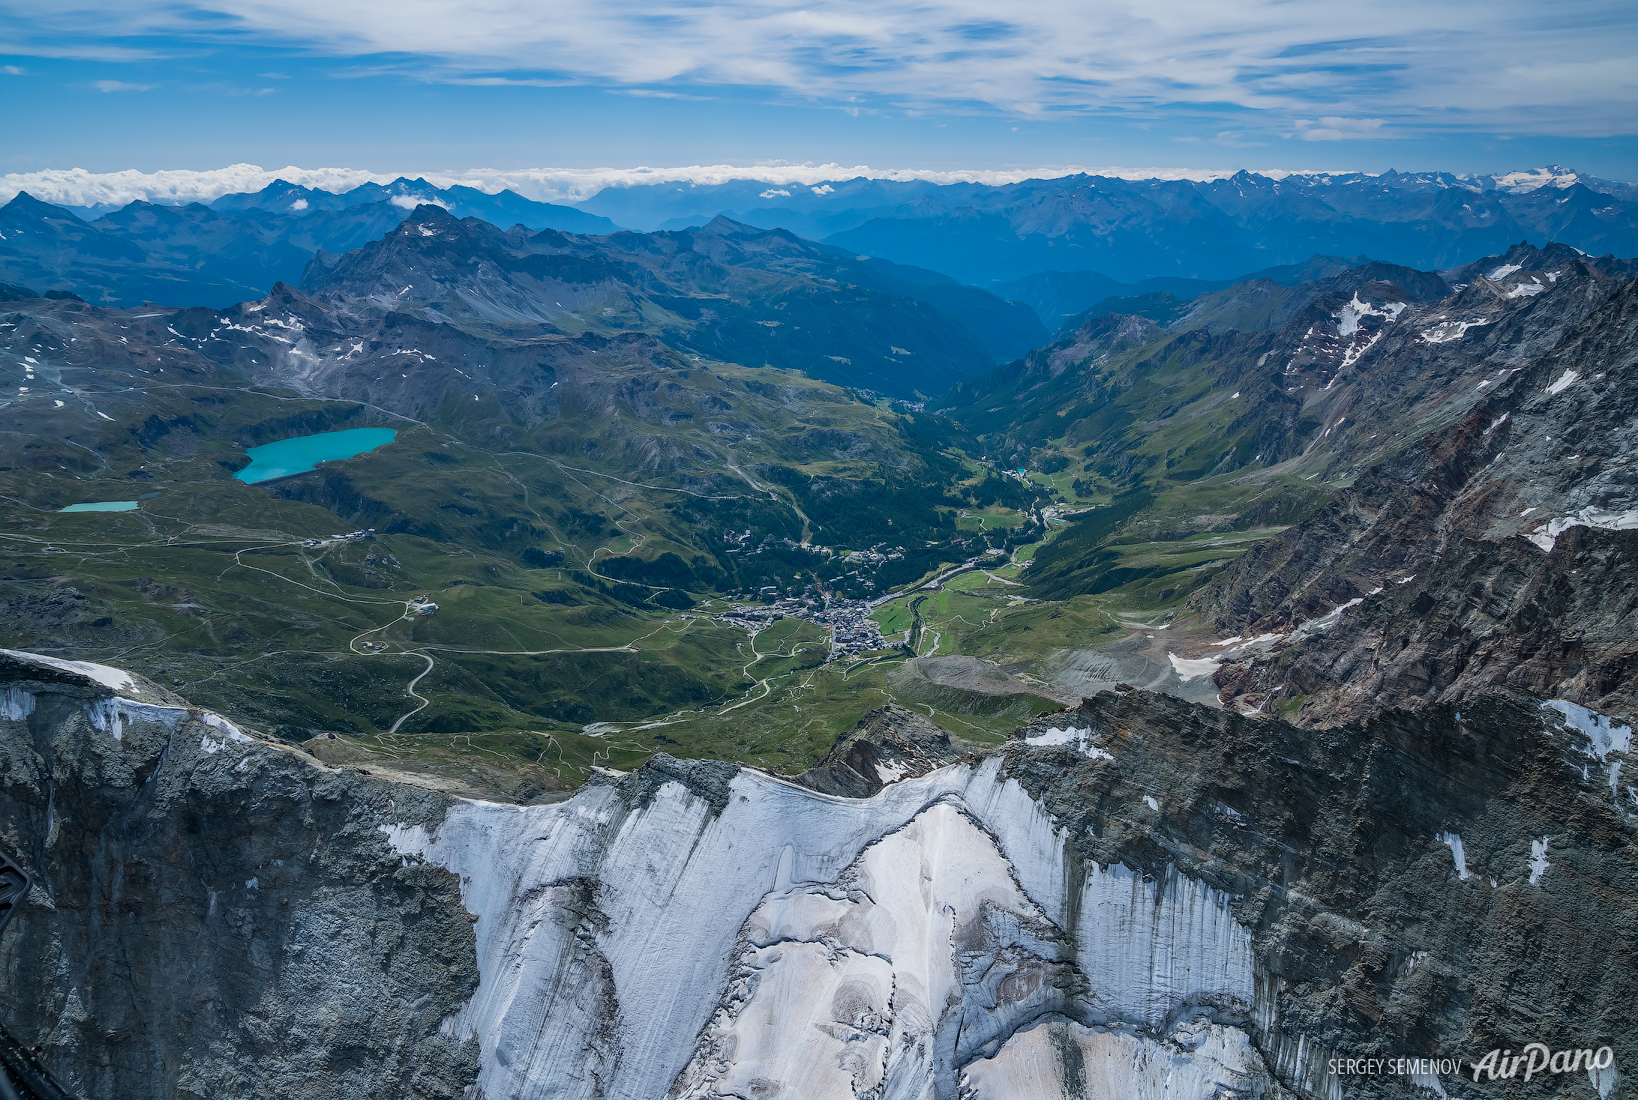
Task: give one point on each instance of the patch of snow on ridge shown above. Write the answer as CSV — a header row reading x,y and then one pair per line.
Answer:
x,y
891,773
1605,735
1352,312
1240,644
112,714
228,730
16,704
1453,841
1446,331
1527,290
1546,536
1538,860
1563,382
1327,620
1081,739
1352,355
113,679
667,925
1604,1080
1504,271
1187,669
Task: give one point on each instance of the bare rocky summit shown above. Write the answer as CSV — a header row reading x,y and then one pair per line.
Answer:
x,y
1497,552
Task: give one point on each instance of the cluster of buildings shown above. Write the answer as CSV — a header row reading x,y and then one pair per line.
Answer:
x,y
350,536
875,554
852,631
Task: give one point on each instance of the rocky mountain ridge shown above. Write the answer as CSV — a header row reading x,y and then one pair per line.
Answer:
x,y
213,914
1495,553
727,291
1194,903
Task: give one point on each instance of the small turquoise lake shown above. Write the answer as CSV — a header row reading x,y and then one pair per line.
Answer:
x,y
298,455
102,506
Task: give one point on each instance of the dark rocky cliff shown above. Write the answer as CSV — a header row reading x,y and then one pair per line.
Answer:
x,y
1373,937
213,915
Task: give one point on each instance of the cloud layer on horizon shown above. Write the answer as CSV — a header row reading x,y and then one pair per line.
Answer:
x,y
1503,65
78,187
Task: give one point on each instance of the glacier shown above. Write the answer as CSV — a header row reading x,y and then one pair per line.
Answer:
x,y
738,936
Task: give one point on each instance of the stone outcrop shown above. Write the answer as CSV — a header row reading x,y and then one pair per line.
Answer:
x,y
889,743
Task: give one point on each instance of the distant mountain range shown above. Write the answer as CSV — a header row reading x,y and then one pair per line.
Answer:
x,y
1060,246
1142,229
236,248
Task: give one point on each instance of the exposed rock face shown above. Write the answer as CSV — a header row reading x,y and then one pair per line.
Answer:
x,y
1138,898
213,915
1499,552
1388,874
889,743
1171,886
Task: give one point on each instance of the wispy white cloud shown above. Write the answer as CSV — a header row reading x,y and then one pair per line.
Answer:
x,y
1336,128
410,202
507,81
656,93
76,49
12,70
1434,62
119,86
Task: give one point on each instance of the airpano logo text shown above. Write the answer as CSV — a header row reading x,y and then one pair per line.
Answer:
x,y
1540,1058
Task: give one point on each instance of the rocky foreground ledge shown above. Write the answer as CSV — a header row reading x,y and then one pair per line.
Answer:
x,y
1135,898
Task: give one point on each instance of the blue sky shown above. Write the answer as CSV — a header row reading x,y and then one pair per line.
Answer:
x,y
420,86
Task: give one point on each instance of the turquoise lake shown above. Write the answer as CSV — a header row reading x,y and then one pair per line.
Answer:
x,y
102,506
298,455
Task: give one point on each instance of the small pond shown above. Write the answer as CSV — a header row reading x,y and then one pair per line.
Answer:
x,y
298,455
